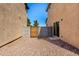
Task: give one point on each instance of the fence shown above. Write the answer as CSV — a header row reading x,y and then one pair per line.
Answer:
x,y
45,32
41,32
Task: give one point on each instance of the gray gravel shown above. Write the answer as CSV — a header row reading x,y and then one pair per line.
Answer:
x,y
34,47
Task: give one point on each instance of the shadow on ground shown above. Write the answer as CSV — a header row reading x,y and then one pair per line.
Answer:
x,y
64,45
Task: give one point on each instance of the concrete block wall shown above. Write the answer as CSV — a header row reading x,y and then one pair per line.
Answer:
x,y
44,32
26,32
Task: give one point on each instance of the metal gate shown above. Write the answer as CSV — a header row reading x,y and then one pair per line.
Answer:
x,y
41,32
34,31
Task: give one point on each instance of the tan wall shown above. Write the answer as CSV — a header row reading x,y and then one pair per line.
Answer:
x,y
10,23
69,25
22,14
55,11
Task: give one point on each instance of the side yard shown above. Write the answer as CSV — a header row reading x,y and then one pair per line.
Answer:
x,y
34,46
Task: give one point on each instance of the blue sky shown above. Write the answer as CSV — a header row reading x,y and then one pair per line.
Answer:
x,y
37,11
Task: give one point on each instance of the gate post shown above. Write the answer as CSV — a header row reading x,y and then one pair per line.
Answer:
x,y
26,32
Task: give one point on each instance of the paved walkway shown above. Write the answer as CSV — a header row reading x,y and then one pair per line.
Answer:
x,y
33,46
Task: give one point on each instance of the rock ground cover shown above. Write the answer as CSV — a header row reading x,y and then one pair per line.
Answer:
x,y
34,47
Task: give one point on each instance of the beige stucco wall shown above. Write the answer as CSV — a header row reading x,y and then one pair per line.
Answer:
x,y
11,25
54,13
69,25
22,14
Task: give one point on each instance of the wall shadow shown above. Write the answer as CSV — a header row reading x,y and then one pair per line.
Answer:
x,y
10,42
64,45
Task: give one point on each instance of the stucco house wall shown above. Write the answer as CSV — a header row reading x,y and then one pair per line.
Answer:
x,y
67,15
12,18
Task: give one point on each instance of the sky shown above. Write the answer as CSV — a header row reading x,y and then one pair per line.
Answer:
x,y
37,11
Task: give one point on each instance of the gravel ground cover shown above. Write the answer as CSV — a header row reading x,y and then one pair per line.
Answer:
x,y
34,47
